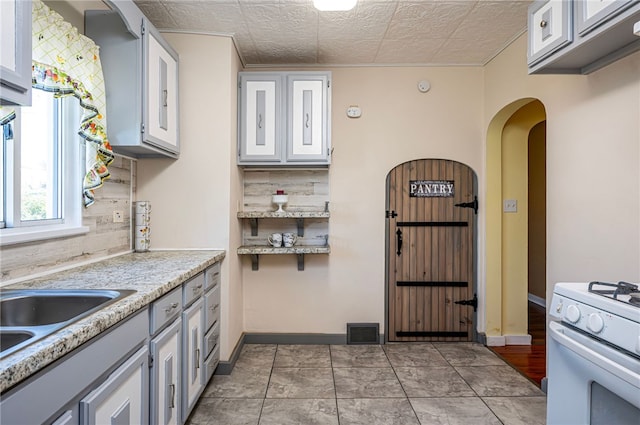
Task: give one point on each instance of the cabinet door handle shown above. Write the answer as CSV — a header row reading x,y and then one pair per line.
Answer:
x,y
171,307
259,120
543,23
172,400
197,288
165,96
306,121
213,307
197,358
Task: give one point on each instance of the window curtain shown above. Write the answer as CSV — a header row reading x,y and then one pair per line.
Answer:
x,y
67,63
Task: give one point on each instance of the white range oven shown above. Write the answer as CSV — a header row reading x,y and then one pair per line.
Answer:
x,y
593,373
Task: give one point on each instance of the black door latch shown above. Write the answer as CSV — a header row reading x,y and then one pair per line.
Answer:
x,y
390,214
399,242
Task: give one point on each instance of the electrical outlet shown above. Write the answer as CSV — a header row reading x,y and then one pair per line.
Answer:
x,y
510,206
118,216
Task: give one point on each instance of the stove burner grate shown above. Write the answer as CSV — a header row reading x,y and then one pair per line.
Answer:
x,y
621,288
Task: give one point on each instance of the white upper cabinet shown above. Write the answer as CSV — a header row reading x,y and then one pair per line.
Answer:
x,y
141,78
260,131
307,118
580,36
15,52
284,118
160,91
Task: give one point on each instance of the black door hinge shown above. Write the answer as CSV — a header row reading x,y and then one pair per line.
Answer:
x,y
472,302
473,204
390,214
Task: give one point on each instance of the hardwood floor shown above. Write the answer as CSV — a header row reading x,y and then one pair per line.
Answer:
x,y
529,359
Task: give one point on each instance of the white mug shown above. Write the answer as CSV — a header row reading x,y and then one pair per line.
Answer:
x,y
289,239
275,239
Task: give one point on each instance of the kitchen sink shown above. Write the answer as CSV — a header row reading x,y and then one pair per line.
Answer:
x,y
27,315
10,339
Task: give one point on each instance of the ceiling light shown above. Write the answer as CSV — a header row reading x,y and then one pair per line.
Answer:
x,y
334,5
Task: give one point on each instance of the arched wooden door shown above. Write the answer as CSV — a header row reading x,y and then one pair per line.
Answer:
x,y
431,208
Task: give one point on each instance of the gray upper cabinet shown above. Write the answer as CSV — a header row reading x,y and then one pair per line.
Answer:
x,y
284,118
15,52
141,77
580,36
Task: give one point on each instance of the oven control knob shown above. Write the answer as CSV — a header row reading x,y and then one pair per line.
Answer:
x,y
595,322
572,314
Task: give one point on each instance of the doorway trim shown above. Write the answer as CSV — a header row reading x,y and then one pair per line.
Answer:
x,y
503,319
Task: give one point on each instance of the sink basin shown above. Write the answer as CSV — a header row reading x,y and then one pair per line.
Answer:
x,y
10,339
27,315
45,307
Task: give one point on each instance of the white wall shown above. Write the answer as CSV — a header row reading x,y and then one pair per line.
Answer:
x,y
593,163
193,200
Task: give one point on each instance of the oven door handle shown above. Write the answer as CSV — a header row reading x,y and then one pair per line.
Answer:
x,y
558,331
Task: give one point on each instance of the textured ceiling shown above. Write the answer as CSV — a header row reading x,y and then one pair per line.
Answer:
x,y
377,32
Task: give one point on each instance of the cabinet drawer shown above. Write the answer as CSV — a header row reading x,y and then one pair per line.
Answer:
x,y
192,289
549,28
210,365
211,339
212,276
164,310
212,307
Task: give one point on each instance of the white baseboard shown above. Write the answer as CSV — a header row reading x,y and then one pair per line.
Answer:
x,y
501,341
537,300
517,339
495,341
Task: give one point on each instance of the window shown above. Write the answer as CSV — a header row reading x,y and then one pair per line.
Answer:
x,y
41,171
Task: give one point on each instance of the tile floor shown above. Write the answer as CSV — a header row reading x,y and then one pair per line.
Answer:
x,y
392,384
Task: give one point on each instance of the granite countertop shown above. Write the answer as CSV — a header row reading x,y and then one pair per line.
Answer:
x,y
151,274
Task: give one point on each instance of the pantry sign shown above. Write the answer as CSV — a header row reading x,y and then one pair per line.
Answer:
x,y
431,188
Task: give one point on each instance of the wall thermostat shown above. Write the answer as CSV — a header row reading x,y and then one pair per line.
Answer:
x,y
424,86
354,111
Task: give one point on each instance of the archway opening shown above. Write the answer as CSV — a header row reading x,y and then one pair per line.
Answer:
x,y
515,220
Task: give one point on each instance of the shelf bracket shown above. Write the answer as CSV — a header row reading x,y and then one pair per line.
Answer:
x,y
254,261
300,222
253,222
300,262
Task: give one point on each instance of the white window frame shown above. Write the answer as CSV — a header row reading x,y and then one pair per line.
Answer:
x,y
72,166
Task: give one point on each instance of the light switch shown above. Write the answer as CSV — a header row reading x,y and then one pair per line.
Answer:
x,y
510,206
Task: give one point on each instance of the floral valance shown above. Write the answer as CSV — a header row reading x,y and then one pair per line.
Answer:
x,y
67,63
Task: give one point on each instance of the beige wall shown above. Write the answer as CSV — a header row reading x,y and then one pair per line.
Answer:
x,y
398,124
593,162
194,199
537,210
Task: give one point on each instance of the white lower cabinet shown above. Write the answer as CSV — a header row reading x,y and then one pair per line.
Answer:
x,y
165,375
193,359
123,398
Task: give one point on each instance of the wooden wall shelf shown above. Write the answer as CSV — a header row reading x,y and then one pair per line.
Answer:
x,y
299,216
256,250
